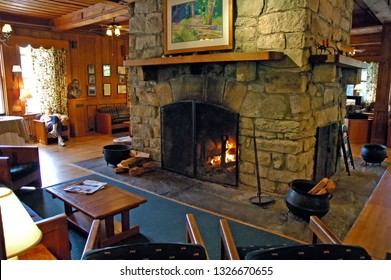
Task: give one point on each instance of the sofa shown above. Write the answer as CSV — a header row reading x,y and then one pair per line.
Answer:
x,y
112,118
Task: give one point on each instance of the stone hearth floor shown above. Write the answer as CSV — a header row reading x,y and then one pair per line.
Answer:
x,y
348,199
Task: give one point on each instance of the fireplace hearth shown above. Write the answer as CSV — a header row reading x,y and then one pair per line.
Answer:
x,y
199,140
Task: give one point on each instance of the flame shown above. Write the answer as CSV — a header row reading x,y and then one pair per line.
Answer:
x,y
230,154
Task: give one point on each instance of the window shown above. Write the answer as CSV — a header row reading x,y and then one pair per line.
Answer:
x,y
2,97
28,79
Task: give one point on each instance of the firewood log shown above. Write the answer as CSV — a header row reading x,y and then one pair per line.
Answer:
x,y
139,154
330,186
322,183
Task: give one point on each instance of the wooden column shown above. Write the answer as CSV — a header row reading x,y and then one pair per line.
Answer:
x,y
380,121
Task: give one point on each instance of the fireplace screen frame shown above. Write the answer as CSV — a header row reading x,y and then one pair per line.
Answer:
x,y
185,128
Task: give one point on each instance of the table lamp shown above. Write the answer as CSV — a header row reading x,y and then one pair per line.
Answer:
x,y
24,95
16,71
358,88
18,231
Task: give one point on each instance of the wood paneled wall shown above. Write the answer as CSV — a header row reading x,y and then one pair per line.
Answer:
x,y
82,50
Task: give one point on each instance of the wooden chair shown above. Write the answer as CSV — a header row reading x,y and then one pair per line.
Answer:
x,y
42,134
19,166
55,237
332,248
193,249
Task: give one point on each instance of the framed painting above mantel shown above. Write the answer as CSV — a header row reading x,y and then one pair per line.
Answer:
x,y
196,26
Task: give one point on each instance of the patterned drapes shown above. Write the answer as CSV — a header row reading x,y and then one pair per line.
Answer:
x,y
372,72
49,66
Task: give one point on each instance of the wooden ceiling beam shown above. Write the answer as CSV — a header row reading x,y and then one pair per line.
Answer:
x,y
87,16
381,9
365,39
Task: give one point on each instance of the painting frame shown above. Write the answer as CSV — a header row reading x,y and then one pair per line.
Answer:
x,y
107,89
221,36
106,70
91,90
91,79
121,89
91,69
122,79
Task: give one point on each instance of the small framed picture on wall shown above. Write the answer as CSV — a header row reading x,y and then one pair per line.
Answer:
x,y
91,69
121,89
91,90
91,79
122,79
106,70
121,70
106,89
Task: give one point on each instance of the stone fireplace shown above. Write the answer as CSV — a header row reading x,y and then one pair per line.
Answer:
x,y
281,102
200,140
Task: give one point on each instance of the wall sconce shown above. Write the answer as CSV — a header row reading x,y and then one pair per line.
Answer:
x,y
18,229
16,70
5,33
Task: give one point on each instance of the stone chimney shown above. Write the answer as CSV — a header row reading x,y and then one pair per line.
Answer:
x,y
285,101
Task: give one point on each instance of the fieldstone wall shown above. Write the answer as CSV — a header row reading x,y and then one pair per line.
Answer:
x,y
282,102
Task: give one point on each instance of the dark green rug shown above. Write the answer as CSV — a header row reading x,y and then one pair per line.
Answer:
x,y
160,220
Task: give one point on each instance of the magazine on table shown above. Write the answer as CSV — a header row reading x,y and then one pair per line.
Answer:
x,y
86,187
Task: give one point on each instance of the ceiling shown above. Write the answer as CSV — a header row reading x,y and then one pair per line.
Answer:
x,y
93,15
64,15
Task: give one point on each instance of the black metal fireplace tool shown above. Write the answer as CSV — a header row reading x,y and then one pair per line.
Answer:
x,y
260,199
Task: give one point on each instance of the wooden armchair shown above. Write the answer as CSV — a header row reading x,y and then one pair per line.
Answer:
x,y
193,249
42,134
331,247
55,237
19,166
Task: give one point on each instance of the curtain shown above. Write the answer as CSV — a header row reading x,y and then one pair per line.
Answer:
x,y
49,67
372,72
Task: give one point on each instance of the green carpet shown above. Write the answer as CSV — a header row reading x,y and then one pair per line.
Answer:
x,y
160,220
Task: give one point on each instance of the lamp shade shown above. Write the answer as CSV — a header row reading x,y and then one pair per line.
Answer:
x,y
20,231
16,69
358,87
25,94
6,28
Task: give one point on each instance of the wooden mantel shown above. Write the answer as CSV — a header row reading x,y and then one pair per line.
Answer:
x,y
206,58
340,60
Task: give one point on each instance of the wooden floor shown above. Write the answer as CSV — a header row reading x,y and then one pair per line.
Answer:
x,y
372,230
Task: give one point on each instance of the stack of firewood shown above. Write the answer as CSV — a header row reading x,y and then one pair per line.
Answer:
x,y
324,186
138,164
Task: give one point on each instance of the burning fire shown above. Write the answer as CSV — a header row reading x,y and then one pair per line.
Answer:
x,y
230,154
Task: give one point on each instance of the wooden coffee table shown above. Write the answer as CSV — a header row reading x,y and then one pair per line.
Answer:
x,y
103,205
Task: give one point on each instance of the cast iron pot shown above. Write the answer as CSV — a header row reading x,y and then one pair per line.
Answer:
x,y
374,153
302,204
114,154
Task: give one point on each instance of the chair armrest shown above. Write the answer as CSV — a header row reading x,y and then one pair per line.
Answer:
x,y
40,131
93,237
4,161
319,233
55,236
5,174
103,123
228,247
193,234
21,154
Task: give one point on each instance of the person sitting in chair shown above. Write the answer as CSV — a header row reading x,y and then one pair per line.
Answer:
x,y
54,125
